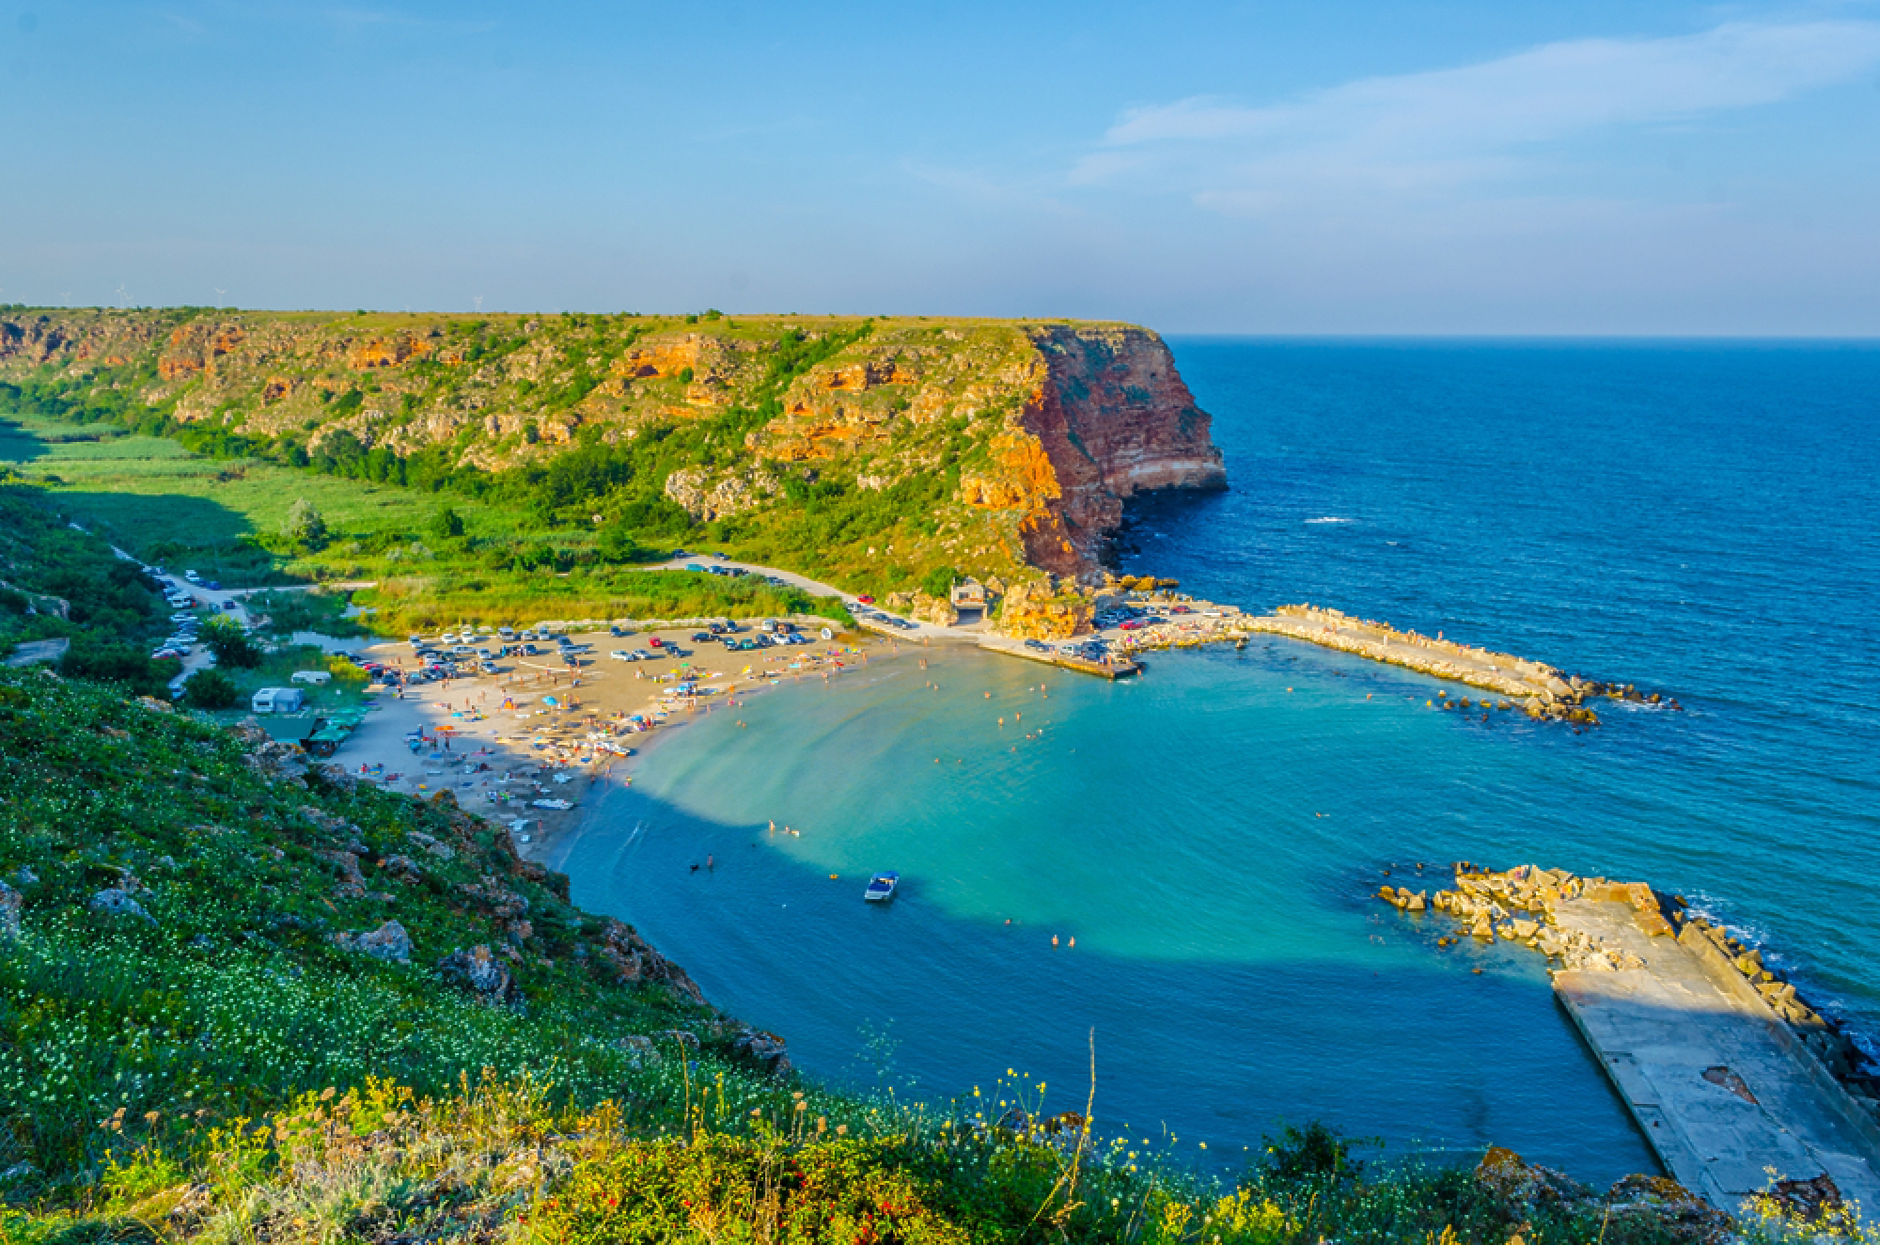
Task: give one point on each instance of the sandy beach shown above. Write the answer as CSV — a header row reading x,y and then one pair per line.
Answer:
x,y
525,745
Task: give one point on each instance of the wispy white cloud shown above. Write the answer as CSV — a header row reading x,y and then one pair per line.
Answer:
x,y
1418,133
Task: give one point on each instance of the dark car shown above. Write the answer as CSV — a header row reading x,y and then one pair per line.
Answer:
x,y
717,628
701,637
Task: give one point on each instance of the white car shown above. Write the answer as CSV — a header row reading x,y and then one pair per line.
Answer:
x,y
192,577
621,654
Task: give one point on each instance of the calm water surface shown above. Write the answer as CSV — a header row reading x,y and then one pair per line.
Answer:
x,y
1695,518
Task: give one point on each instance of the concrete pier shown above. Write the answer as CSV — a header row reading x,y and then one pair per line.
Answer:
x,y
1740,1087
1731,1101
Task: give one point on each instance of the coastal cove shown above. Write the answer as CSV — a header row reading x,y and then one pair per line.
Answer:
x,y
1225,938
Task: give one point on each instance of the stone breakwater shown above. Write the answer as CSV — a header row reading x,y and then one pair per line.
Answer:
x,y
1537,689
1540,690
1743,1087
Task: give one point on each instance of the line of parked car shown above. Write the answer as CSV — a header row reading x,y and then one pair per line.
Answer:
x,y
886,620
734,572
181,642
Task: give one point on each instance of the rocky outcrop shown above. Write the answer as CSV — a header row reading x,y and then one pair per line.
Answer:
x,y
1043,610
630,959
389,942
477,971
116,901
706,497
923,607
1656,1205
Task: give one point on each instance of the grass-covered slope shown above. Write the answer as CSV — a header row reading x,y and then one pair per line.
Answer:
x,y
61,587
436,560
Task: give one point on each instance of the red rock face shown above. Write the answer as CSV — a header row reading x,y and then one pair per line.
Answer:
x,y
1113,417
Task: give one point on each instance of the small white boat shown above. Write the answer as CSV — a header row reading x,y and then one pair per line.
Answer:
x,y
881,887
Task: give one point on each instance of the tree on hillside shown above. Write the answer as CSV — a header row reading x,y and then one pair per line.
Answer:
x,y
939,581
304,526
231,645
448,524
211,689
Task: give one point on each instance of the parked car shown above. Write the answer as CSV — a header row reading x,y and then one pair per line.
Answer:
x,y
866,600
506,633
716,628
621,654
1036,646
192,577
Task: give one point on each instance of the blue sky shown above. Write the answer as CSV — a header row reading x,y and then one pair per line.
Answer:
x,y
1466,166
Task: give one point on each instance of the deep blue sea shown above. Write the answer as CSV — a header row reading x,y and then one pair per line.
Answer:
x,y
1701,519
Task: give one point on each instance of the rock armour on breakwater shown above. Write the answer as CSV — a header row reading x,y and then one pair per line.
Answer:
x,y
1539,689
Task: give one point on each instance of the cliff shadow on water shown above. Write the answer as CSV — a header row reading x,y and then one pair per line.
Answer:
x,y
1233,963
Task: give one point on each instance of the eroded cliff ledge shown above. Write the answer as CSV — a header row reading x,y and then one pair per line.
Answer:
x,y
993,446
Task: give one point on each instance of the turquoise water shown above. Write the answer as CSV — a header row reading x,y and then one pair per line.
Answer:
x,y
1697,519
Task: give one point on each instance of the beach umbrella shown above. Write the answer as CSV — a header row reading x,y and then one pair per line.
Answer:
x,y
550,700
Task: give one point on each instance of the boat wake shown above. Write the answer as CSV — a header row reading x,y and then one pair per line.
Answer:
x,y
1330,518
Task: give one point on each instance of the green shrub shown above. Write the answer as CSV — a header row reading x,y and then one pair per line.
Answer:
x,y
211,689
230,644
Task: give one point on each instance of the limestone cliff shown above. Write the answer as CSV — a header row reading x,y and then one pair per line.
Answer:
x,y
1010,445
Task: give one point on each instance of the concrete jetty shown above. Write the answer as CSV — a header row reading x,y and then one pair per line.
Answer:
x,y
1741,1088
